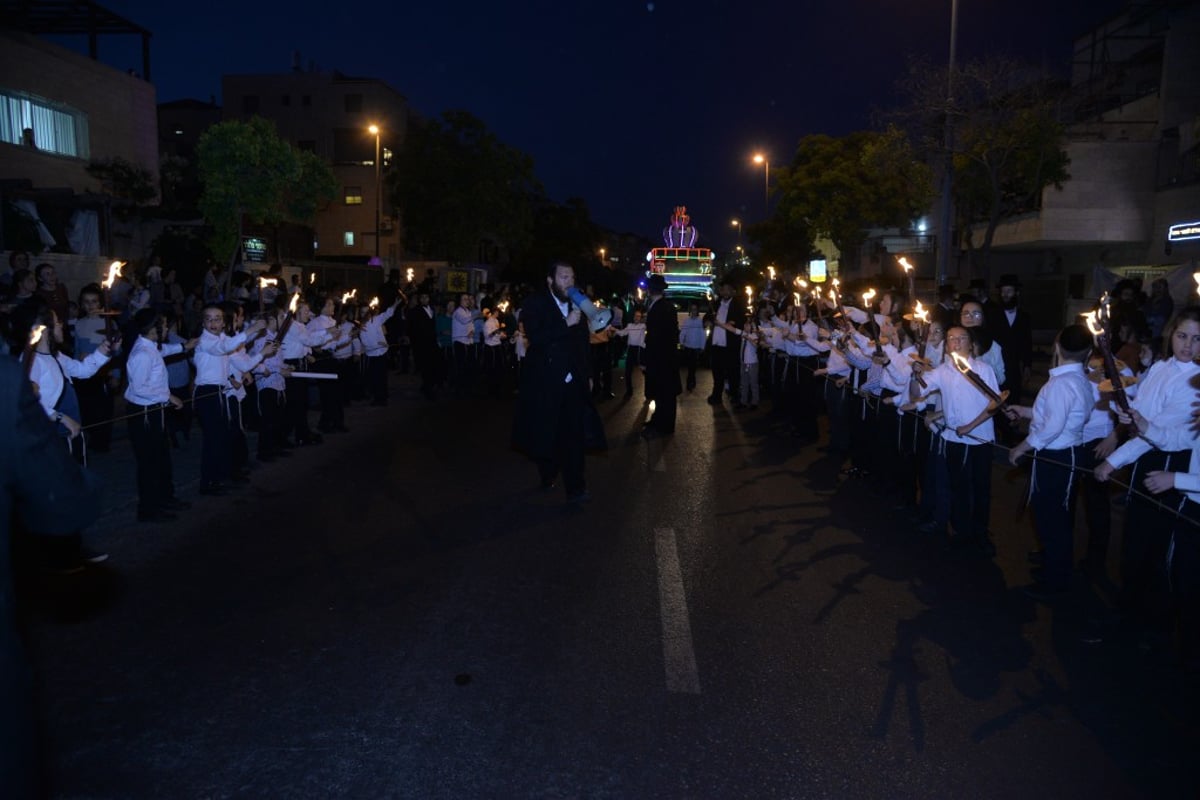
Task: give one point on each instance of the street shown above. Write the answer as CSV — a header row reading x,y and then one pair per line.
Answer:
x,y
401,612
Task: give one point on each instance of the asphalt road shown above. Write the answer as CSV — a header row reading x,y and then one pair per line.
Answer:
x,y
401,613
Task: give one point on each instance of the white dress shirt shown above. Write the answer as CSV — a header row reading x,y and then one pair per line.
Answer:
x,y
692,334
50,373
211,358
147,372
1061,409
961,401
635,333
373,336
462,326
718,334
299,340
1165,398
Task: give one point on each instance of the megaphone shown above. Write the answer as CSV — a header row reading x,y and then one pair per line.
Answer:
x,y
598,318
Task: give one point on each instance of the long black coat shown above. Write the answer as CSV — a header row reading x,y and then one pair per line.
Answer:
x,y
661,356
555,349
43,487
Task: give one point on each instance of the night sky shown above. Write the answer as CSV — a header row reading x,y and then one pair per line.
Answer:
x,y
634,106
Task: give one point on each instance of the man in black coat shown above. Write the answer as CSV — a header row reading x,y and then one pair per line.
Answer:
x,y
422,332
554,384
1013,330
51,495
729,316
660,357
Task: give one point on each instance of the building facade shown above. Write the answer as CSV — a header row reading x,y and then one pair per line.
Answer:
x,y
331,115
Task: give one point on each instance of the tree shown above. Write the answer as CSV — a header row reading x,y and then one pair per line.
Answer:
x,y
250,174
459,186
1008,139
124,180
841,187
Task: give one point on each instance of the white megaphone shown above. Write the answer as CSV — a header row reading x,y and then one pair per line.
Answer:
x,y
598,318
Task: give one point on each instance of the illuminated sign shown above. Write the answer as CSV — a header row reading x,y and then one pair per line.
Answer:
x,y
254,250
817,270
1183,232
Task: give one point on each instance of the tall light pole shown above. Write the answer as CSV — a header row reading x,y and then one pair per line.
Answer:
x,y
603,253
374,129
759,158
946,222
737,223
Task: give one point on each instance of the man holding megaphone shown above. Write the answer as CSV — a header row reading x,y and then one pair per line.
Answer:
x,y
555,381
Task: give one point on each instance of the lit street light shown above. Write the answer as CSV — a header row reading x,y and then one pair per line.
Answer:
x,y
759,158
374,129
737,223
602,254
944,224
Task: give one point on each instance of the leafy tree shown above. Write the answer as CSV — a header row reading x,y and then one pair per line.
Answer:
x,y
250,174
124,180
459,185
1007,134
841,187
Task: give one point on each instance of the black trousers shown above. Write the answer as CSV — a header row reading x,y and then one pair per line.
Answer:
x,y
725,367
970,473
1149,520
691,360
215,452
271,414
1097,507
377,385
330,392
296,422
633,360
568,456
152,454
1052,504
239,450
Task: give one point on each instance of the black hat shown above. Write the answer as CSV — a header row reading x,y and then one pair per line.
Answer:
x,y
1075,339
657,284
1008,280
145,319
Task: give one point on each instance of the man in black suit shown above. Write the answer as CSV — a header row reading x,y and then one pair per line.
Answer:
x,y
1012,328
422,332
50,495
554,384
728,318
661,359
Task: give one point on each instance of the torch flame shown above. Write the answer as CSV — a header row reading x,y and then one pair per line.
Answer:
x,y
1091,320
408,274
265,282
963,365
294,304
835,283
346,297
796,297
921,313
114,272
312,278
374,302
803,284
868,295
35,335
904,263
771,272
1196,278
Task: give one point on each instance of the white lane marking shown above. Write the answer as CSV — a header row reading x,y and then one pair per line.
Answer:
x,y
679,657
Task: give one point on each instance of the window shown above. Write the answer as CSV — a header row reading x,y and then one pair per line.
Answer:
x,y
354,103
250,104
27,119
354,195
286,100
348,238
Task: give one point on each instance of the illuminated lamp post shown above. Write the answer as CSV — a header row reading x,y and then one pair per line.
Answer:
x,y
374,129
759,158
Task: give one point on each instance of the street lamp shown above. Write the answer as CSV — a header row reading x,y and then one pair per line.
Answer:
x,y
759,158
944,224
737,223
602,253
374,129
